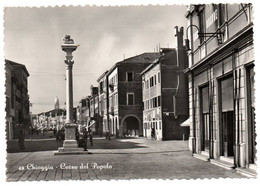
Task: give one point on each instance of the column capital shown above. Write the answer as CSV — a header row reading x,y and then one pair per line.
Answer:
x,y
69,62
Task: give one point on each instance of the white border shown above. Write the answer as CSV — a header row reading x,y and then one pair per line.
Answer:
x,y
45,3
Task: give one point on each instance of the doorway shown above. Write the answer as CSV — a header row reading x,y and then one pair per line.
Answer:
x,y
131,126
227,126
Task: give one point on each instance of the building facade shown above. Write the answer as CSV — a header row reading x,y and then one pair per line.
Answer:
x,y
125,95
49,120
17,99
165,94
93,110
221,83
103,102
83,112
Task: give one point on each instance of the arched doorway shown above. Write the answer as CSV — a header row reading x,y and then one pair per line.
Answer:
x,y
131,126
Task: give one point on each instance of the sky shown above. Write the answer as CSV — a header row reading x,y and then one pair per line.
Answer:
x,y
33,37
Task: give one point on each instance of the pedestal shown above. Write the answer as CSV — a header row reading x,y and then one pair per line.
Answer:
x,y
70,145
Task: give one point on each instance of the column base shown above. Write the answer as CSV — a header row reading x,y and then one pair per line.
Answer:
x,y
215,149
242,155
191,144
70,145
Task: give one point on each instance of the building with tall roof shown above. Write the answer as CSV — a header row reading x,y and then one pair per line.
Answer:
x,y
165,94
125,95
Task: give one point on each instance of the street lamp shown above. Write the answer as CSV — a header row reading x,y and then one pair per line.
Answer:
x,y
218,35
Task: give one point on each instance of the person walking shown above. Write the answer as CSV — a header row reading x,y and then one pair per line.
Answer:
x,y
77,135
21,140
85,138
90,136
153,133
54,132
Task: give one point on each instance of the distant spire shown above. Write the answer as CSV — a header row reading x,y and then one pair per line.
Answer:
x,y
56,103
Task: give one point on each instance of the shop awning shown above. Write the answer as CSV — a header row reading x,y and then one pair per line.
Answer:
x,y
187,123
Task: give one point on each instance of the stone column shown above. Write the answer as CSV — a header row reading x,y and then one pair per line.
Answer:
x,y
69,92
70,143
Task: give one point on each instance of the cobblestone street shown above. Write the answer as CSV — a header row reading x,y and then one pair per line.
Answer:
x,y
115,159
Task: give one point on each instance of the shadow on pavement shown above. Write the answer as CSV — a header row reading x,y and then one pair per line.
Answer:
x,y
100,143
35,145
52,144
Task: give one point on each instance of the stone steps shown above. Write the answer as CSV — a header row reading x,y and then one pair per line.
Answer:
x,y
223,164
70,151
247,172
201,157
228,163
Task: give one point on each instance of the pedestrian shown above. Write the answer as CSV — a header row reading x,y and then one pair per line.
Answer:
x,y
54,132
90,136
153,133
108,135
77,135
21,140
85,138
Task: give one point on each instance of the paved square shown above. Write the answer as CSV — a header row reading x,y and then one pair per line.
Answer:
x,y
112,159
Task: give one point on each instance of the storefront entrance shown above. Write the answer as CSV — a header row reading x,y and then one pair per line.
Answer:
x,y
227,133
227,127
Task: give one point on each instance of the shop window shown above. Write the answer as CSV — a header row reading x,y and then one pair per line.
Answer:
x,y
205,117
227,94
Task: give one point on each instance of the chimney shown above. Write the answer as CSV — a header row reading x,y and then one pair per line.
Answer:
x,y
182,58
179,35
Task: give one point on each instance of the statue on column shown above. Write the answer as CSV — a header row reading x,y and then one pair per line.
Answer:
x,y
67,39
